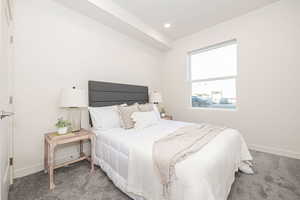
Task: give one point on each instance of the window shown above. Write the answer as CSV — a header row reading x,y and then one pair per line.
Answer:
x,y
213,72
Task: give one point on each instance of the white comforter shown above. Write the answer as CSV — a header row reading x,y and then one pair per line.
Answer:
x,y
207,174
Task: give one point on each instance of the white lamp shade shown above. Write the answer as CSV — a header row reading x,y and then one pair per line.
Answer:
x,y
155,97
73,98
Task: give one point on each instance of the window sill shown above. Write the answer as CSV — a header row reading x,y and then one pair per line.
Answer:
x,y
214,109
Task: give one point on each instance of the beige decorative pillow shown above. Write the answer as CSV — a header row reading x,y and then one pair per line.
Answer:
x,y
121,121
125,115
145,107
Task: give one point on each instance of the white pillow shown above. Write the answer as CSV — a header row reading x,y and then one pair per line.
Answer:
x,y
105,118
144,119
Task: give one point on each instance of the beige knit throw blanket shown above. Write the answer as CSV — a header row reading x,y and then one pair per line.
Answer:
x,y
177,146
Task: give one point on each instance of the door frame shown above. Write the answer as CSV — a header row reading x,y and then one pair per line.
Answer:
x,y
7,54
10,4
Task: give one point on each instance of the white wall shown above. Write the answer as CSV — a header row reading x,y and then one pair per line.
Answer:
x,y
268,82
58,48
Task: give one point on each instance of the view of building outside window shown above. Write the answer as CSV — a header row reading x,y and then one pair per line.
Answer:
x,y
213,76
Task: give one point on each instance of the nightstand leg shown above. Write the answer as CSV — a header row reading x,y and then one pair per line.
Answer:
x,y
93,142
81,148
46,156
51,166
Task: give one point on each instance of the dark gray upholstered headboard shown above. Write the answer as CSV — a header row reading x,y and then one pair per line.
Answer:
x,y
107,94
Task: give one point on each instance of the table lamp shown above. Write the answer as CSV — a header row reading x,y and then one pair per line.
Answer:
x,y
155,97
74,99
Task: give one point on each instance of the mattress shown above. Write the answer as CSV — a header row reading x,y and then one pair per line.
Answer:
x,y
113,145
113,149
112,155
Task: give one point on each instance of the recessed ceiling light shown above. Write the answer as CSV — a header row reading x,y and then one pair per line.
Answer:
x,y
167,25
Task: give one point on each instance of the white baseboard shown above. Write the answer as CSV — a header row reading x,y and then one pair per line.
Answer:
x,y
276,151
40,166
28,170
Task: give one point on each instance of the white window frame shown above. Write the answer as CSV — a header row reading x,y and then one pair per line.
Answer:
x,y
208,48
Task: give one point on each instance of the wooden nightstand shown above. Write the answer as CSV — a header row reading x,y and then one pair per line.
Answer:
x,y
167,117
53,139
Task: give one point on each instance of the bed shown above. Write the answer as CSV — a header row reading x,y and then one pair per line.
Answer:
x,y
126,155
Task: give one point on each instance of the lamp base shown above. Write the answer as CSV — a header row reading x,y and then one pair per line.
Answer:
x,y
159,107
75,119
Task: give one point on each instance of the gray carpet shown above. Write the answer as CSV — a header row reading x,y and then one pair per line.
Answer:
x,y
276,178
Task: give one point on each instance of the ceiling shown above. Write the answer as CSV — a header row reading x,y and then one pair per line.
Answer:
x,y
188,16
